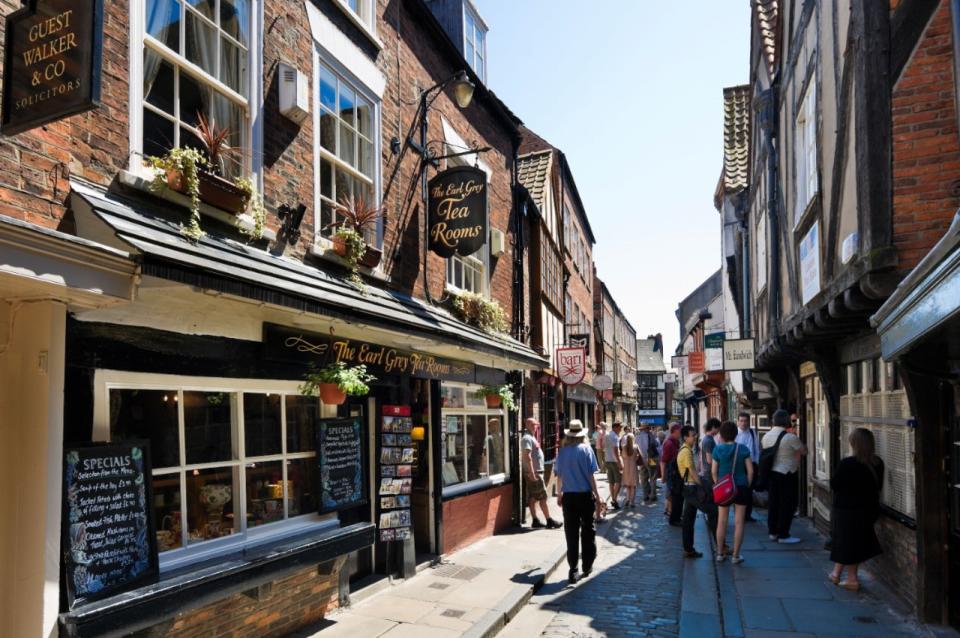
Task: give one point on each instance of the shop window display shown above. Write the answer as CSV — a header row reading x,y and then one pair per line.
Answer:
x,y
474,443
227,463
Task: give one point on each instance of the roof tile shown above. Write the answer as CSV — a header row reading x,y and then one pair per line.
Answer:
x,y
736,138
533,171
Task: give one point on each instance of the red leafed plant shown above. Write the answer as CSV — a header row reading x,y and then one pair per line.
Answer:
x,y
358,212
214,141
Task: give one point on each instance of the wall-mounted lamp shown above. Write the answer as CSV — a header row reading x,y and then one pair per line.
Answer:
x,y
291,218
418,433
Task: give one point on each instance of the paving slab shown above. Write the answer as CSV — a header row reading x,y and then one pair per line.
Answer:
x,y
395,608
764,612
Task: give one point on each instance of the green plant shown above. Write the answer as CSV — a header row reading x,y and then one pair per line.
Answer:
x,y
503,391
481,312
255,207
214,141
356,247
357,212
350,379
186,162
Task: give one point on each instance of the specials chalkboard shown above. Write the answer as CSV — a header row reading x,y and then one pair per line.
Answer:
x,y
340,454
109,540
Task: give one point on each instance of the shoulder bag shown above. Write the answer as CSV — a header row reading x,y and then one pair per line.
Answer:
x,y
725,489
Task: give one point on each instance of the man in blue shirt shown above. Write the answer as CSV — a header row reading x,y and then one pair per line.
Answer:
x,y
748,438
578,496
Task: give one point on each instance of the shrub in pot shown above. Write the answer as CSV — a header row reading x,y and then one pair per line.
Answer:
x,y
497,395
335,381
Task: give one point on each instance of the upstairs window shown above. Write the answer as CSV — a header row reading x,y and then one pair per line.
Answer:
x,y
348,125
806,151
475,42
196,61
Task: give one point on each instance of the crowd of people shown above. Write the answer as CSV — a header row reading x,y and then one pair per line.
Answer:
x,y
712,474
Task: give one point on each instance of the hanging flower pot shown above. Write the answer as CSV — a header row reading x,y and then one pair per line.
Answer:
x,y
496,396
493,401
331,394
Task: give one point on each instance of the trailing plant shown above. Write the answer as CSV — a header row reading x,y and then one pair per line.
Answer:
x,y
503,391
186,161
356,247
480,312
256,209
353,380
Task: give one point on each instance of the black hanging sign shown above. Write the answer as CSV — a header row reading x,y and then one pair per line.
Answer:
x,y
457,211
51,62
109,539
340,456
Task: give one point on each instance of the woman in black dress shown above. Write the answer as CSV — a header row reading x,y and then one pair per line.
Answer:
x,y
856,486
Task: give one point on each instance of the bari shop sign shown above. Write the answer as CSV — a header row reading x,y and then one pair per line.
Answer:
x,y
457,211
51,62
571,365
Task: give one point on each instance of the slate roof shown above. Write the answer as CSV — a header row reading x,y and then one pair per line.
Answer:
x,y
533,171
767,13
736,138
233,267
647,359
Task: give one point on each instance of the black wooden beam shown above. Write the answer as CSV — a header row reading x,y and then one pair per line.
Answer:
x,y
907,24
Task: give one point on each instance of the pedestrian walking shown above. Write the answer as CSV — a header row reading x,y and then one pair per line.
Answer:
x,y
671,475
732,459
631,458
597,439
784,485
534,487
614,464
691,488
746,436
856,486
578,496
649,449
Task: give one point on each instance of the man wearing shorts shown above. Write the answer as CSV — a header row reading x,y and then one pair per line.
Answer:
x,y
533,486
614,464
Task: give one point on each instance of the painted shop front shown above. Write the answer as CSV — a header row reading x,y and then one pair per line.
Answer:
x,y
238,493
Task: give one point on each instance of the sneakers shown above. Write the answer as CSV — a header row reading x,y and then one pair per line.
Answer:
x,y
790,540
736,559
692,553
721,557
552,524
774,537
537,524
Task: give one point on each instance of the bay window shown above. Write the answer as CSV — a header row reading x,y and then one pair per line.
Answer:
x,y
227,456
195,61
475,439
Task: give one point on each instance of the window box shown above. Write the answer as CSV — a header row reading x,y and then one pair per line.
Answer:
x,y
371,258
214,190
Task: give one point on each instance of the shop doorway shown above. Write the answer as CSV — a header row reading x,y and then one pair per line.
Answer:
x,y
953,494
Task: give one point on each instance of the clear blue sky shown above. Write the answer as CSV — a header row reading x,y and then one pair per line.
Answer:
x,y
631,91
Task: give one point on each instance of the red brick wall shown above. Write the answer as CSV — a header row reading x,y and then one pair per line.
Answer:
x,y
469,518
926,147
293,602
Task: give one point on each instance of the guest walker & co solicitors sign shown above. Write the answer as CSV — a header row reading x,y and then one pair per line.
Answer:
x,y
51,62
457,211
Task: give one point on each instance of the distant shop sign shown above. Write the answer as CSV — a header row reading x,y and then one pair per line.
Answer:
x,y
603,382
695,362
571,365
738,354
51,62
581,341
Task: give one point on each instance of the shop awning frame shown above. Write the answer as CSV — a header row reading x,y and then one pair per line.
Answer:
x,y
227,266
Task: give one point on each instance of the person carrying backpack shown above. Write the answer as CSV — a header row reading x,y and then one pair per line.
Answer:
x,y
780,461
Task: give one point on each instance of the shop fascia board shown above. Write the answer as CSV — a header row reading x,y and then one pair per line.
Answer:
x,y
43,263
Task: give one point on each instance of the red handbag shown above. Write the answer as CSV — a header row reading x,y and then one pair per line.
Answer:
x,y
725,490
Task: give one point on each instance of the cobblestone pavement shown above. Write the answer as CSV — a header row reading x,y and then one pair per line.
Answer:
x,y
633,591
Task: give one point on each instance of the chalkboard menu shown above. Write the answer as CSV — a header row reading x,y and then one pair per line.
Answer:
x,y
340,455
109,540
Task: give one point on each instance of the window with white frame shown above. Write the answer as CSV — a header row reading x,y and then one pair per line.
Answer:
x,y
227,457
474,437
806,151
474,42
349,124
196,62
363,10
761,252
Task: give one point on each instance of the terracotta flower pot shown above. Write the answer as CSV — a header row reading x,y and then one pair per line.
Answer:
x,y
339,245
371,258
214,190
493,401
331,394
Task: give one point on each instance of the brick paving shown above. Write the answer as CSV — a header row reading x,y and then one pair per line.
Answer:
x,y
634,590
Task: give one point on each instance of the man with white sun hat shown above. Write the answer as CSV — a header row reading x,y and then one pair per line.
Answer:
x,y
578,496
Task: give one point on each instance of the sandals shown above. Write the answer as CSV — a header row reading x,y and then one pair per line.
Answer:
x,y
833,578
850,586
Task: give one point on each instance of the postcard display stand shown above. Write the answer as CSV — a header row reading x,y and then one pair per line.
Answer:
x,y
398,465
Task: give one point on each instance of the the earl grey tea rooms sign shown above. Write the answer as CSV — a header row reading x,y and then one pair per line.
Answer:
x,y
51,61
457,211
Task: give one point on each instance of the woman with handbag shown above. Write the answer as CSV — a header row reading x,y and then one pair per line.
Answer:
x,y
732,472
856,486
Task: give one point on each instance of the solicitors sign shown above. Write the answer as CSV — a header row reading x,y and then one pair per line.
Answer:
x,y
51,62
457,211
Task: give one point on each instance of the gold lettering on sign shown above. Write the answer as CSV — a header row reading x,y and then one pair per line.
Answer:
x,y
51,37
448,209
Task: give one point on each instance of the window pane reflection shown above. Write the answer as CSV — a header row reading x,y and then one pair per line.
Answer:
x,y
302,413
261,424
208,427
476,446
301,486
151,415
167,512
264,493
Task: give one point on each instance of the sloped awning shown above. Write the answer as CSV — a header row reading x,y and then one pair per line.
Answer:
x,y
231,267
